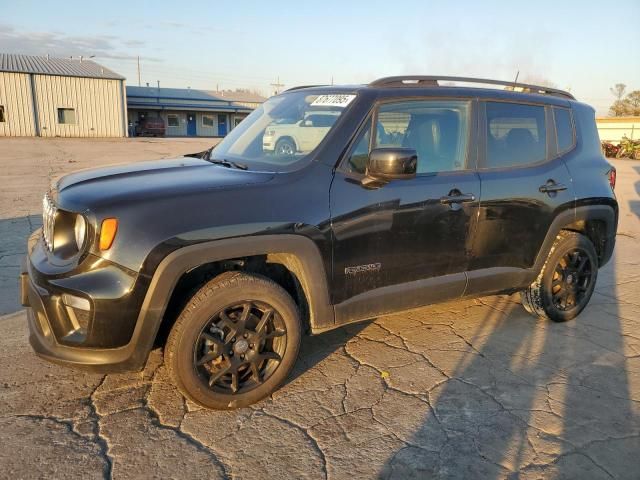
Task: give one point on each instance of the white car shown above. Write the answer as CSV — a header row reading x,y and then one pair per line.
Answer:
x,y
299,137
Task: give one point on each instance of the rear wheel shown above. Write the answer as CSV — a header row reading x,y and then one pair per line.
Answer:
x,y
567,280
235,342
285,147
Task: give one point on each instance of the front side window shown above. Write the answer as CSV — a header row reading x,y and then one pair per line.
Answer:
x,y
2,119
172,121
564,128
207,121
284,130
67,116
516,134
437,130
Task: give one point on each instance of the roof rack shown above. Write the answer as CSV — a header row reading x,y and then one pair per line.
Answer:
x,y
303,86
433,81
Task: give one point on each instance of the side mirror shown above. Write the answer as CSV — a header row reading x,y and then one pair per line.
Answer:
x,y
393,163
307,123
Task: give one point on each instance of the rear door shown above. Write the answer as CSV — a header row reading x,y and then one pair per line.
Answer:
x,y
524,185
407,230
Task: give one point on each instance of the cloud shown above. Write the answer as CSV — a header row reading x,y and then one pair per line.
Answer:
x,y
61,45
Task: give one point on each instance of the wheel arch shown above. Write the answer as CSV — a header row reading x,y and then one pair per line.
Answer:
x,y
597,222
295,253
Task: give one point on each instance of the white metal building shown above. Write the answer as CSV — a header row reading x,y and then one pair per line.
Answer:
x,y
59,97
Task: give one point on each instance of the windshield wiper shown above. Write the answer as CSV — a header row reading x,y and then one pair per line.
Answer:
x,y
229,164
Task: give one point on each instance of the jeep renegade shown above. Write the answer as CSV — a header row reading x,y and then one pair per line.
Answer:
x,y
407,192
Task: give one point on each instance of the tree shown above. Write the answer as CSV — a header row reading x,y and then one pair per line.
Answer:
x,y
618,90
629,105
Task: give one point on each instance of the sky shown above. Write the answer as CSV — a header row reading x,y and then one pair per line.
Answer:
x,y
584,46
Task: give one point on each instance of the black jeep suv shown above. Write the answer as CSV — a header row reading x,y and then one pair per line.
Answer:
x,y
413,193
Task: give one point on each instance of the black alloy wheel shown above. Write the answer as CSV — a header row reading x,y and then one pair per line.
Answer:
x,y
240,347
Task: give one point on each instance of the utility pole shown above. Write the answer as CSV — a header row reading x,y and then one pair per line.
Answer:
x,y
139,83
277,86
158,85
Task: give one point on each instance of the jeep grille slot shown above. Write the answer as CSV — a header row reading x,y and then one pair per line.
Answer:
x,y
49,211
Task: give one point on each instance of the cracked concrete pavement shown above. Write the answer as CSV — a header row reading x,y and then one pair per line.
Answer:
x,y
466,389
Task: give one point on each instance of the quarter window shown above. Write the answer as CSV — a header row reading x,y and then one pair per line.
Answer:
x,y
207,121
360,154
67,116
2,119
564,128
516,134
172,120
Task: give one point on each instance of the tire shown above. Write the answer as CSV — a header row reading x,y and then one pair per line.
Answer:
x,y
235,342
567,280
285,146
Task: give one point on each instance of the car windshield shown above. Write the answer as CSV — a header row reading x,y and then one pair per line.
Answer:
x,y
282,132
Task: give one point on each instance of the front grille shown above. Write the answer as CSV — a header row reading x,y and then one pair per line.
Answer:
x,y
49,211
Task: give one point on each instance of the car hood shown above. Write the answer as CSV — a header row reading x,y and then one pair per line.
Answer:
x,y
144,181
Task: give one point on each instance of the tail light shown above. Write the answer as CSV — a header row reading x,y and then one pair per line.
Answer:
x,y
612,178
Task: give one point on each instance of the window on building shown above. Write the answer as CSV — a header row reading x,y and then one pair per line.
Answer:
x,y
2,119
173,121
67,116
516,134
208,121
564,128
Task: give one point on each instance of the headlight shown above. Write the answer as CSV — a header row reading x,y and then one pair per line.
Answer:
x,y
269,133
80,231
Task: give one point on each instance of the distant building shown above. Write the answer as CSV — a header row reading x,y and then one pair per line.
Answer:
x,y
191,112
60,97
612,129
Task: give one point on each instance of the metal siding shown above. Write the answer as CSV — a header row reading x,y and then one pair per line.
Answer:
x,y
97,103
16,98
181,130
203,131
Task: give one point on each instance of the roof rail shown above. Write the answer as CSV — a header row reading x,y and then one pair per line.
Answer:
x,y
303,86
433,81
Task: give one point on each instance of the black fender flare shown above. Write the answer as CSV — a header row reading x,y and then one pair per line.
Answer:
x,y
565,219
298,253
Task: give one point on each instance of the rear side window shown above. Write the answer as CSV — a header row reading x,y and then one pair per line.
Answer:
x,y
516,134
564,128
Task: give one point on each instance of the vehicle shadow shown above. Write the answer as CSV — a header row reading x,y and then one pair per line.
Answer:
x,y
14,233
531,398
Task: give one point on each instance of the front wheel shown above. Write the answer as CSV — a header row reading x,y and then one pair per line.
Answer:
x,y
567,280
235,342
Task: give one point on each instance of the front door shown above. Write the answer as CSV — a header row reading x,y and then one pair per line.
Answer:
x,y
222,124
407,232
524,185
191,124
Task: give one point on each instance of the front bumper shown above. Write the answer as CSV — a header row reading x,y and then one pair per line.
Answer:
x,y
107,340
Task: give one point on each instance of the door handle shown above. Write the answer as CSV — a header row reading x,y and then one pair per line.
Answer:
x,y
460,198
551,187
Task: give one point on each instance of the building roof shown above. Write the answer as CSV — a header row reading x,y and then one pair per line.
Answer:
x,y
173,93
66,67
239,96
180,98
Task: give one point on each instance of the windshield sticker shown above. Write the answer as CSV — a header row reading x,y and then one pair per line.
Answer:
x,y
340,101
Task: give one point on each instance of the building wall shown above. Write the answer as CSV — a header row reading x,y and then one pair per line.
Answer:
x,y
98,104
16,98
612,129
180,130
207,131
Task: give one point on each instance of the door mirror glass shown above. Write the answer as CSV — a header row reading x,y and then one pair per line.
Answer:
x,y
393,163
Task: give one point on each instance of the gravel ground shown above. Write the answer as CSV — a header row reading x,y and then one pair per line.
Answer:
x,y
466,389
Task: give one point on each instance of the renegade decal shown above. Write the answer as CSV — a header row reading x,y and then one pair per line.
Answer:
x,y
372,267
